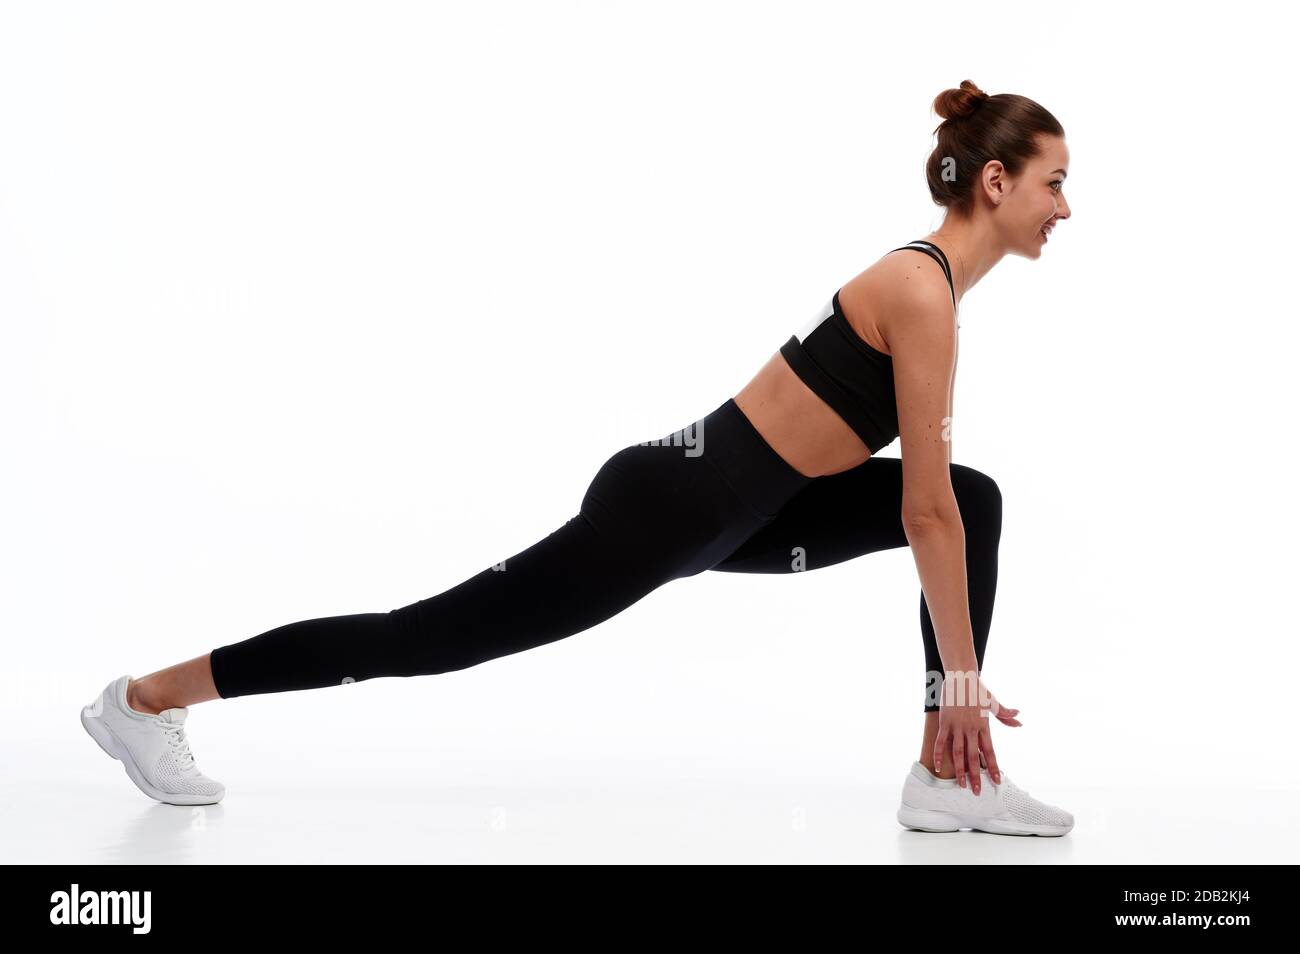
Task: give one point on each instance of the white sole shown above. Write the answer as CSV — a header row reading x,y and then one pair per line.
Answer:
x,y
110,743
922,819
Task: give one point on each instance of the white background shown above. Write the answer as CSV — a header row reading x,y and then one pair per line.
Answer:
x,y
314,309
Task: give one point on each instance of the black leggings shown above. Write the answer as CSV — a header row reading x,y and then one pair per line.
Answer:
x,y
712,496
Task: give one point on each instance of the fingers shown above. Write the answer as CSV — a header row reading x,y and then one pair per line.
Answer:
x,y
1008,716
989,705
993,706
973,760
959,758
990,760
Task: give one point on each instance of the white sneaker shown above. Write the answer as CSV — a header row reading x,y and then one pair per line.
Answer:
x,y
931,803
152,748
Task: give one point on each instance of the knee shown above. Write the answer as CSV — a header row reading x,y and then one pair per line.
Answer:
x,y
978,497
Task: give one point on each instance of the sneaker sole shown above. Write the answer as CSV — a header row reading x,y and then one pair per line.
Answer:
x,y
107,740
921,819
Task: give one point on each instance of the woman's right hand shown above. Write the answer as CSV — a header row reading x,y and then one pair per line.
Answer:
x,y
966,730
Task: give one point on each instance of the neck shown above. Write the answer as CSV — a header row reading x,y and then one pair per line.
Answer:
x,y
972,248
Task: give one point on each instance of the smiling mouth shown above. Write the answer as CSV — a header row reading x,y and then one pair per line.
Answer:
x,y
1045,231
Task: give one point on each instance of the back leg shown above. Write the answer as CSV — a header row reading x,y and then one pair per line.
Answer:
x,y
649,516
568,582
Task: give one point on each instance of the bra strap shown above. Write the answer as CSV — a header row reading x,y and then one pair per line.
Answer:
x,y
936,253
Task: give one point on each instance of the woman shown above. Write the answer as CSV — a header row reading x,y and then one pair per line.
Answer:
x,y
780,478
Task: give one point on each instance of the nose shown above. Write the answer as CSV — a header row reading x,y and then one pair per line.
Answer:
x,y
1062,208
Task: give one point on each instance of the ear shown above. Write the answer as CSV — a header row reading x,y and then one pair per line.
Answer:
x,y
993,180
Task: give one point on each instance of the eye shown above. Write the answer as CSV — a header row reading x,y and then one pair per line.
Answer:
x,y
1056,184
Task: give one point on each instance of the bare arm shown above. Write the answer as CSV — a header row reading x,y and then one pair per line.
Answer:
x,y
924,344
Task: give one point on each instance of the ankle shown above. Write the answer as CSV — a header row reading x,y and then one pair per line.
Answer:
x,y
140,699
943,771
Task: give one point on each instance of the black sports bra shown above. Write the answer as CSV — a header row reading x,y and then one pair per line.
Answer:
x,y
855,379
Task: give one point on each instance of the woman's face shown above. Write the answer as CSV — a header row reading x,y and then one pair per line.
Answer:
x,y
1035,201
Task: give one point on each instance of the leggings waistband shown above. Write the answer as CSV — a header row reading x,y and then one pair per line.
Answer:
x,y
758,474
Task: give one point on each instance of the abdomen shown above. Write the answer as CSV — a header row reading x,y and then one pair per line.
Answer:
x,y
799,425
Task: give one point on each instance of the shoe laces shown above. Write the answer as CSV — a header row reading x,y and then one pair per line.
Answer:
x,y
179,744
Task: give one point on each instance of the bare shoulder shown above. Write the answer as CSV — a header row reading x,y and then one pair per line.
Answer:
x,y
901,295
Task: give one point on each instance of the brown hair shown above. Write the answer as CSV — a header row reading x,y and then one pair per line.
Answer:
x,y
976,128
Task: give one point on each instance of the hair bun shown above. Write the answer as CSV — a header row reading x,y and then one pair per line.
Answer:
x,y
960,102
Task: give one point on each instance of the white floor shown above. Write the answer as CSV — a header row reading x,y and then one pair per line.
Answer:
x,y
673,733
411,804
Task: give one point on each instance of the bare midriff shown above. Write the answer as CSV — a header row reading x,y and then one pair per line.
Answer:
x,y
802,428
